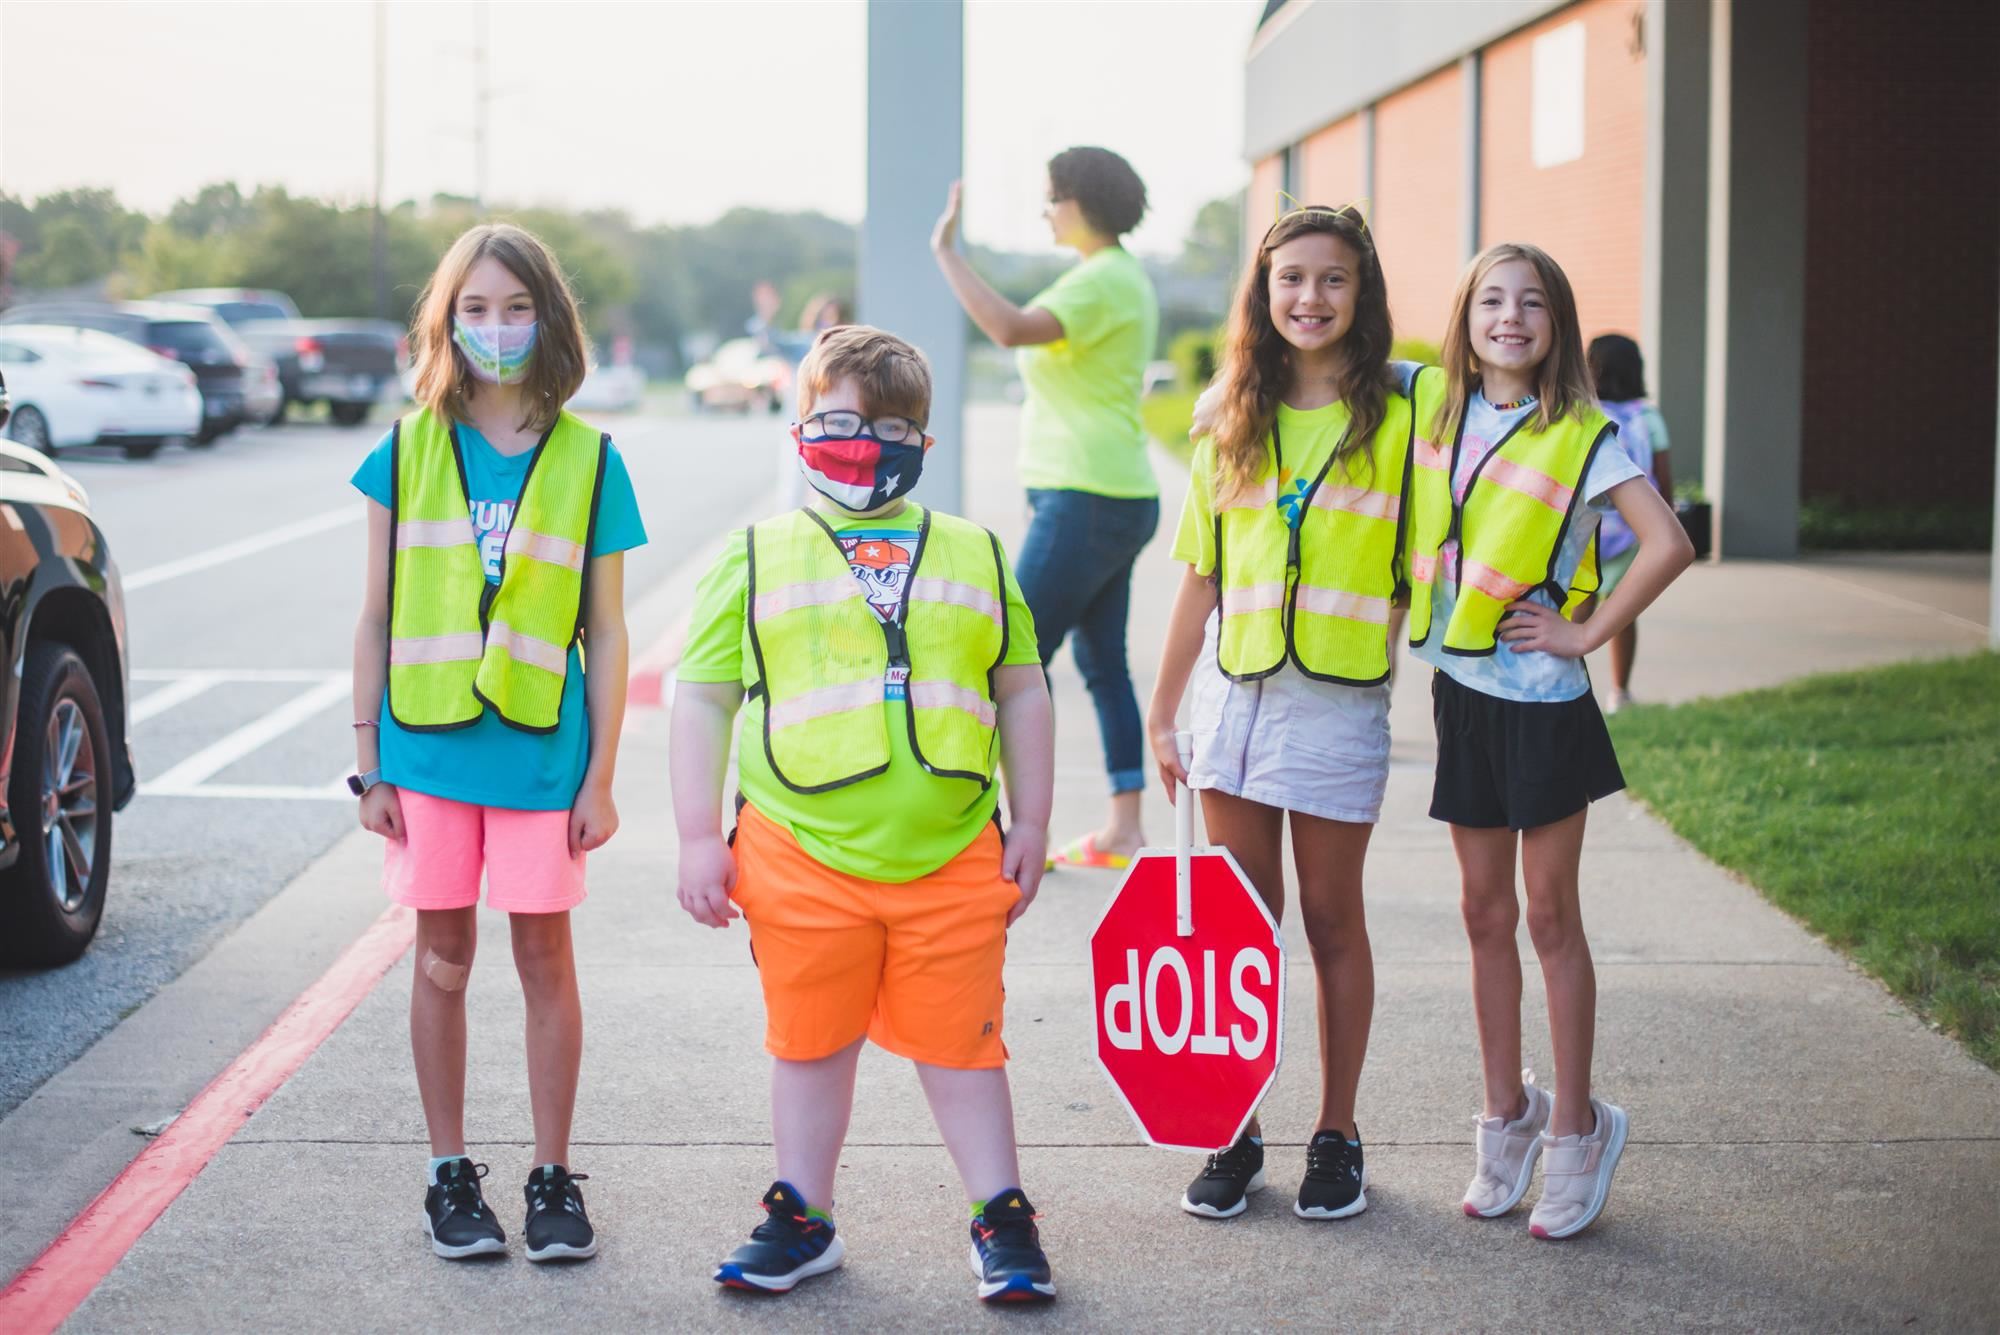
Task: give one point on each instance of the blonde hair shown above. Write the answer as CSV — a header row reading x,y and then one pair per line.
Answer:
x,y
443,378
893,377
1562,381
1256,367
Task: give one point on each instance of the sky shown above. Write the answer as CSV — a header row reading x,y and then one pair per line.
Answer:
x,y
674,112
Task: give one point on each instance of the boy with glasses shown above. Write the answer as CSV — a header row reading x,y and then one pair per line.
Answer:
x,y
891,668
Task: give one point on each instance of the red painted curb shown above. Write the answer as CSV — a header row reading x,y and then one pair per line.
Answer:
x,y
43,1295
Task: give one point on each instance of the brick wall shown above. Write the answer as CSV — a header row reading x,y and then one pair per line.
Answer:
x,y
1330,162
1902,265
1419,194
1588,213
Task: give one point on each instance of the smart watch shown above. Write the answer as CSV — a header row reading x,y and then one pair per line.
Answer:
x,y
359,784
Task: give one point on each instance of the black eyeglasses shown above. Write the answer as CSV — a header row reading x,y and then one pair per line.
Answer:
x,y
842,425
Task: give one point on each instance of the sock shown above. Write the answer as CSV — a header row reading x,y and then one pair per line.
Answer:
x,y
979,1207
547,1170
1258,1141
438,1161
814,1212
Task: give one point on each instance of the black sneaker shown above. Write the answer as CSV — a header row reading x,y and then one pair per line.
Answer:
x,y
1336,1180
557,1228
790,1245
1007,1252
1226,1181
456,1218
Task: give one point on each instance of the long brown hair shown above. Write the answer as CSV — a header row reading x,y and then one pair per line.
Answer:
x,y
445,380
1256,361
1562,381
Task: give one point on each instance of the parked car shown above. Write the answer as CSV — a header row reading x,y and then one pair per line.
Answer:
x,y
83,387
66,766
610,389
192,335
740,375
349,365
236,305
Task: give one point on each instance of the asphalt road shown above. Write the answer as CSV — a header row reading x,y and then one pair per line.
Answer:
x,y
243,567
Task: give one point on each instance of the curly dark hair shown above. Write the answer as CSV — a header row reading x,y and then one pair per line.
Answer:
x,y
1104,186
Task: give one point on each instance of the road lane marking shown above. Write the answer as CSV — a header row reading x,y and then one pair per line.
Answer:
x,y
185,779
242,547
55,1283
177,692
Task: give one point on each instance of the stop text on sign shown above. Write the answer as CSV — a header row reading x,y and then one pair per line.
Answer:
x,y
1133,1011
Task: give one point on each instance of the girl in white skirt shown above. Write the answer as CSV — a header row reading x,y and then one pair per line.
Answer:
x,y
1292,535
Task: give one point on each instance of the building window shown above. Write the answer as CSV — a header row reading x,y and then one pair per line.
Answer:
x,y
1290,169
1558,98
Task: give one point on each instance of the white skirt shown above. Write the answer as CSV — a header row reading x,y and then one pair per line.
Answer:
x,y
1289,741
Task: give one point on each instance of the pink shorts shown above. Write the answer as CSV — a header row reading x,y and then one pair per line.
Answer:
x,y
525,855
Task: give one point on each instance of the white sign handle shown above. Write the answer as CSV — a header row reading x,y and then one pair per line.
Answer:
x,y
1183,838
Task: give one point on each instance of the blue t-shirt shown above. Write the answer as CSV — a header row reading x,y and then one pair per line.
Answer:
x,y
490,763
1533,677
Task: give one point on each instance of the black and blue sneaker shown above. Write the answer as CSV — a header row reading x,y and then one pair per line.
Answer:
x,y
557,1228
1336,1180
1007,1252
456,1217
790,1245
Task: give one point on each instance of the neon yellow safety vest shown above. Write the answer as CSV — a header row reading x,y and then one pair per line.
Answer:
x,y
459,645
1518,506
1317,595
821,653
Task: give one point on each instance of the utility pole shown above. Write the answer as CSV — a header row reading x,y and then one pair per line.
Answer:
x,y
380,244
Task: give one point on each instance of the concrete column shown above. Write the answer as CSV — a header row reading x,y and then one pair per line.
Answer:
x,y
1368,160
1469,121
1756,274
916,144
1674,264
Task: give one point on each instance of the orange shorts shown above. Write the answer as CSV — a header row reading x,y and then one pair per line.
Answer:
x,y
914,966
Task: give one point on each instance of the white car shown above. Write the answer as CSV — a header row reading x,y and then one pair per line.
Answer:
x,y
610,389
84,387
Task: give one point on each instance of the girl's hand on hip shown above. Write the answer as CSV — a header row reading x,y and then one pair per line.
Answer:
x,y
1023,859
707,875
946,231
382,811
593,819
1531,626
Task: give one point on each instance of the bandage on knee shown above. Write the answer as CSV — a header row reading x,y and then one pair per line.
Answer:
x,y
444,975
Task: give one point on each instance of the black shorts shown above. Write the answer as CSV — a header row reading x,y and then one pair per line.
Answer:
x,y
1509,764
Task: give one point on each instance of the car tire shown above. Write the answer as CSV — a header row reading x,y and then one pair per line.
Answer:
x,y
49,905
205,437
348,414
142,449
28,427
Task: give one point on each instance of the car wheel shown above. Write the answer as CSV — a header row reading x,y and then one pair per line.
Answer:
x,y
28,427
348,414
205,437
60,795
141,449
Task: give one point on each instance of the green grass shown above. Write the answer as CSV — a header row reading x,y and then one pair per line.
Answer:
x,y
1167,415
1864,804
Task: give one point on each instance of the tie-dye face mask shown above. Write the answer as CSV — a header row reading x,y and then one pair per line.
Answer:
x,y
498,353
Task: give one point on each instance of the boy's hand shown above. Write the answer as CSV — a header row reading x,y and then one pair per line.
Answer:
x,y
946,230
707,875
382,811
593,818
1023,859
1528,626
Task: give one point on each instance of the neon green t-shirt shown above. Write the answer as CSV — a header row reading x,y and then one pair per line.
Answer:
x,y
901,824
1309,438
1080,428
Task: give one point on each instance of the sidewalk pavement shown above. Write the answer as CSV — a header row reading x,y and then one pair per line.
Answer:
x,y
1805,1153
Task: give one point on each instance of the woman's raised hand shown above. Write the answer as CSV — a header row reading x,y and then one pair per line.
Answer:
x,y
946,231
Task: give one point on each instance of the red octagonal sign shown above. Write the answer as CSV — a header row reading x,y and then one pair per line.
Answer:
x,y
1188,1026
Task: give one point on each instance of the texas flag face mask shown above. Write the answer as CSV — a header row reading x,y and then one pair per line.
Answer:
x,y
860,473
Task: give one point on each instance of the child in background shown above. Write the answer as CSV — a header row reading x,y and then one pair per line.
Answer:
x,y
496,527
1512,469
1619,373
891,668
1292,537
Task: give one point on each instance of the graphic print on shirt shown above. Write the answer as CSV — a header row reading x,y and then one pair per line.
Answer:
x,y
491,522
1291,496
881,560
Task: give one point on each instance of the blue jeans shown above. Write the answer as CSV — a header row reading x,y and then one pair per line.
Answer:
x,y
1075,570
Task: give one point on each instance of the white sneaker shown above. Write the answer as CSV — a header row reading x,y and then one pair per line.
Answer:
x,y
1507,1153
1615,700
1576,1174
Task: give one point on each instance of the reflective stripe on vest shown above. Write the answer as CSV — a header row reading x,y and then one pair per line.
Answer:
x,y
1318,597
1510,527
821,653
458,645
